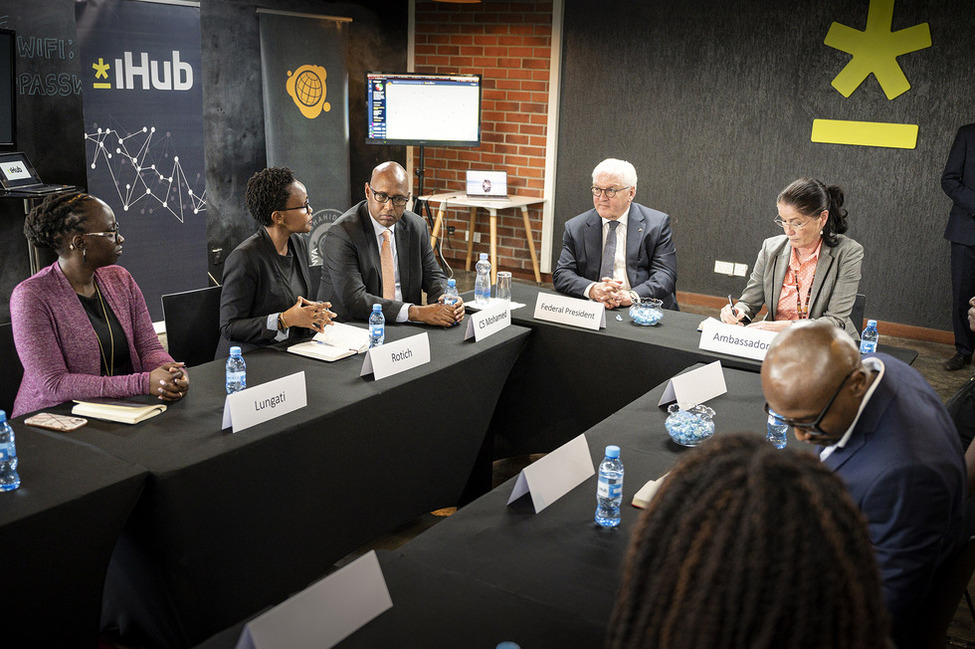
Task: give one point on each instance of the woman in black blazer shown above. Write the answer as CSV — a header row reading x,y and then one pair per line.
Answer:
x,y
266,278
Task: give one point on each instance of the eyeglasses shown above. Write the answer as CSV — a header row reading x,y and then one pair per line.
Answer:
x,y
111,233
381,197
814,425
306,207
792,224
609,191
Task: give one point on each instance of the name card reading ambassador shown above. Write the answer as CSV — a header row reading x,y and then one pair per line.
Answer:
x,y
733,340
397,356
571,311
265,402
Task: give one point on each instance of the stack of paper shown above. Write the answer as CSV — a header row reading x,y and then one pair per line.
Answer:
x,y
337,341
643,497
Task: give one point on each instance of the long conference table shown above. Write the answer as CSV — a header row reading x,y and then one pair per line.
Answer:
x,y
228,524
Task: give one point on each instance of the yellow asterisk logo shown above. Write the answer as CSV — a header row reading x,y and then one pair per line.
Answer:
x,y
875,50
101,69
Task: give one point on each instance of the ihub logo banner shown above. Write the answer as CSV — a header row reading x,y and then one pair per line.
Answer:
x,y
307,89
138,72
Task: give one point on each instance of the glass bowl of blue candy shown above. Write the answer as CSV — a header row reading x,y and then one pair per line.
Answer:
x,y
689,427
647,311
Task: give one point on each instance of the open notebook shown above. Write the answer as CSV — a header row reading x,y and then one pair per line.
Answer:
x,y
338,341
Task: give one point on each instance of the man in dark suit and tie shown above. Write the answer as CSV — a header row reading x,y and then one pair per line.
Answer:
x,y
379,252
958,181
884,431
619,250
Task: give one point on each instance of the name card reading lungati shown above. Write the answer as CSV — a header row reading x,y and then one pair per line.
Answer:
x,y
264,402
397,356
571,311
488,321
733,340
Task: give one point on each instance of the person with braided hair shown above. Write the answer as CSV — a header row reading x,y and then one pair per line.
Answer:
x,y
881,428
81,326
811,271
746,546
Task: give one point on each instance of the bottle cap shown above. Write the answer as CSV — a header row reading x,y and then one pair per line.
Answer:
x,y
235,351
871,323
377,307
483,255
507,644
612,451
451,282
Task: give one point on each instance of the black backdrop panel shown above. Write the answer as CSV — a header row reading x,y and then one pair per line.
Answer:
x,y
713,102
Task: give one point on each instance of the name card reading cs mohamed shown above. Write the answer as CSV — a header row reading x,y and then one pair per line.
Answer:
x,y
488,321
733,340
264,402
570,311
398,356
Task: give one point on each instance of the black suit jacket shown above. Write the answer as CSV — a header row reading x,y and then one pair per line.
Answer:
x,y
254,287
651,259
958,181
352,278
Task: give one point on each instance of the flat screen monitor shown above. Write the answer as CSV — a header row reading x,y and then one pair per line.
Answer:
x,y
423,109
8,97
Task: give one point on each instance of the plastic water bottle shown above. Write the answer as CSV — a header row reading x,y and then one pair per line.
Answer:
x,y
482,285
451,296
778,430
236,371
9,478
377,326
869,337
609,490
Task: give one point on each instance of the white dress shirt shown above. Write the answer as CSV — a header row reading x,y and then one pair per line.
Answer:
x,y
404,312
619,263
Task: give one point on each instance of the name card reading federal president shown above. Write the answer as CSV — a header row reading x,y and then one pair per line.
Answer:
x,y
571,311
733,340
488,321
397,356
265,402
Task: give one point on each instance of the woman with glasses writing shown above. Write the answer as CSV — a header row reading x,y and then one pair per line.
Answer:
x,y
811,271
80,325
266,278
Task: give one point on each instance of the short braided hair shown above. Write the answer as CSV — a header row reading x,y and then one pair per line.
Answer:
x,y
57,218
749,546
268,191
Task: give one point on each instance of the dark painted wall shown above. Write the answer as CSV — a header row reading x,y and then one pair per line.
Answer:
x,y
713,102
232,104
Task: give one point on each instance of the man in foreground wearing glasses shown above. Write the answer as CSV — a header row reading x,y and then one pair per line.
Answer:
x,y
619,250
379,252
883,430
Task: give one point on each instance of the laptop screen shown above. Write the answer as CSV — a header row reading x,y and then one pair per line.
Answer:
x,y
17,171
487,183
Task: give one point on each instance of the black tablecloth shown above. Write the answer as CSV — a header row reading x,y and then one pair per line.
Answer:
x,y
567,379
230,523
56,536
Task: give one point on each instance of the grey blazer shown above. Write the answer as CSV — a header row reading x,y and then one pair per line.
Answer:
x,y
834,288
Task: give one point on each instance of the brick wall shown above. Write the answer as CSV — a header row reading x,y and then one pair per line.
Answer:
x,y
509,45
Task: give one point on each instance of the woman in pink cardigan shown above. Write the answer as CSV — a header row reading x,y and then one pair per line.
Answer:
x,y
81,325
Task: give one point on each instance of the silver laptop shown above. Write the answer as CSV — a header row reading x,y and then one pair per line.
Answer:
x,y
17,174
487,184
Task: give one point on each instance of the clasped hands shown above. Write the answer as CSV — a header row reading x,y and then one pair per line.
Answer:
x,y
308,314
169,382
610,292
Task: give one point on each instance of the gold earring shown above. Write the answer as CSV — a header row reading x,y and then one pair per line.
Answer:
x,y
84,255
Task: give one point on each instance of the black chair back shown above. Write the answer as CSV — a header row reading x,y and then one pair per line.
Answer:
x,y
192,324
13,370
859,307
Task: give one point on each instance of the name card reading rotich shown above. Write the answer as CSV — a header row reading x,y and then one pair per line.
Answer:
x,y
733,340
397,356
488,321
264,402
570,311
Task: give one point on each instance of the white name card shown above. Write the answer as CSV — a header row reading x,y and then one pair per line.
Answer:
x,y
487,321
264,402
324,614
733,340
696,386
570,311
395,357
556,474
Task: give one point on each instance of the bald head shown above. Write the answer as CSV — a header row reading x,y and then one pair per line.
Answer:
x,y
389,182
391,171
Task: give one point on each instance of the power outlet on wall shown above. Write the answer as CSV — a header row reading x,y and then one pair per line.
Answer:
x,y
450,230
477,237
